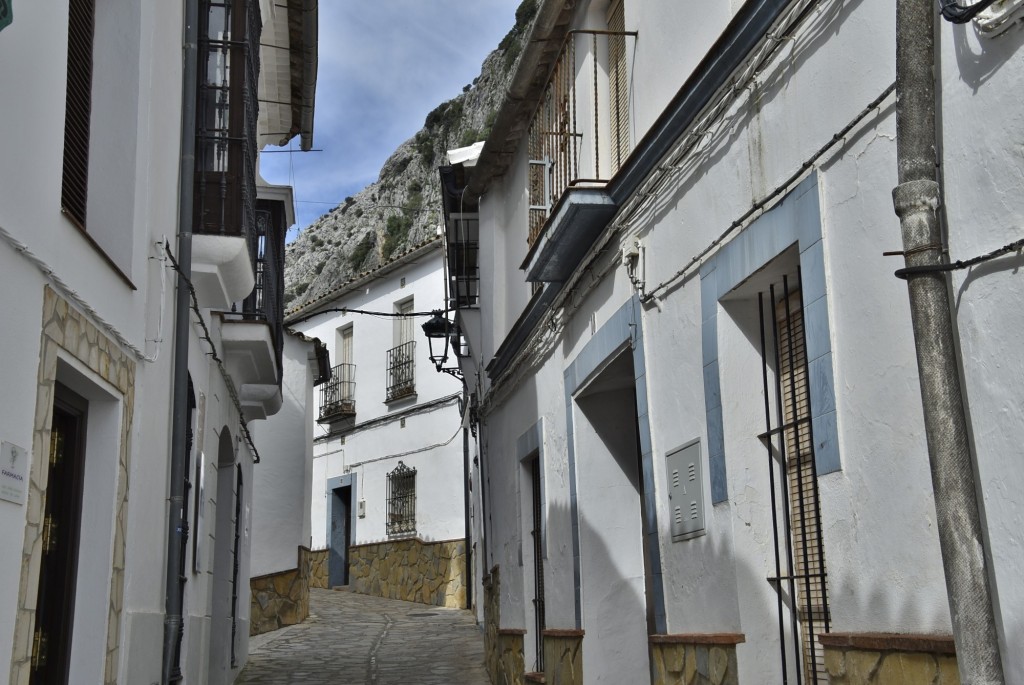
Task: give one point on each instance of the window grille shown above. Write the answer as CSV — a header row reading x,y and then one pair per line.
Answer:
x,y
338,395
577,121
401,381
800,571
78,110
229,35
401,360
401,501
464,260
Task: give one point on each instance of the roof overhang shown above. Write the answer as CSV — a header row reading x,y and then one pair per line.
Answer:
x,y
288,59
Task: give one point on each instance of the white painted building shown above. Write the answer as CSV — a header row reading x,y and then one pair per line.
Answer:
x,y
658,170
92,199
388,453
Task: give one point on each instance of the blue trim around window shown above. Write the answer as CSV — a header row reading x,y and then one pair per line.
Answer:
x,y
797,219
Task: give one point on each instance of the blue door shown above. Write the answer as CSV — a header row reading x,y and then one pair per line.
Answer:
x,y
341,536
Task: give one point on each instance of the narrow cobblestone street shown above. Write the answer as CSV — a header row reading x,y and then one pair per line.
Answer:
x,y
353,639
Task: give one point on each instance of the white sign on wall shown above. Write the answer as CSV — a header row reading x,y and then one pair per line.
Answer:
x,y
13,472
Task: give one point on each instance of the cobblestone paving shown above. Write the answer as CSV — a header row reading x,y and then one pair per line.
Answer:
x,y
352,639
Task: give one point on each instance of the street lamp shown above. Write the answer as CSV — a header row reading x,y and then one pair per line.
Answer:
x,y
438,328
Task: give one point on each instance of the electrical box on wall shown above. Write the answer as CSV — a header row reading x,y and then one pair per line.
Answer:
x,y
685,491
361,508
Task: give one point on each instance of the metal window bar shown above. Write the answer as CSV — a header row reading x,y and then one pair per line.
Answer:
x,y
799,549
266,302
464,262
401,379
338,395
401,501
559,138
227,117
538,565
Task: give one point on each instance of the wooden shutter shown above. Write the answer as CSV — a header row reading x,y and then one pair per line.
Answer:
x,y
808,557
618,86
78,108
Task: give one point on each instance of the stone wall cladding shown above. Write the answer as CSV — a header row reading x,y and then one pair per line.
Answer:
x,y
511,662
65,328
563,657
411,570
890,659
317,559
694,659
282,599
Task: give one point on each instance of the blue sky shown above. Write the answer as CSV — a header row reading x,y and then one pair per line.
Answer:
x,y
383,65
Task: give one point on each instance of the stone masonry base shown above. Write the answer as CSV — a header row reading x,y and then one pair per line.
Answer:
x,y
282,599
411,570
890,659
694,659
563,657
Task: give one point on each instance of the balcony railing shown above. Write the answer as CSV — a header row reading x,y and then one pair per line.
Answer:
x,y
266,302
401,380
580,133
227,109
464,261
338,395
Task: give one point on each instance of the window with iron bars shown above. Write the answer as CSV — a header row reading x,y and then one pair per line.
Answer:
x,y
800,571
579,135
401,501
401,381
227,108
464,260
338,395
401,369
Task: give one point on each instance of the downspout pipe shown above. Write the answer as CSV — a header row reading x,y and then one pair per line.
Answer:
x,y
466,481
916,201
176,535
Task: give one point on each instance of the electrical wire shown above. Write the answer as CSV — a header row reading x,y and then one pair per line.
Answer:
x,y
415,451
386,315
232,391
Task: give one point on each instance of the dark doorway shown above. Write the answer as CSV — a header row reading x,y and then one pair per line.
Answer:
x,y
538,559
341,536
58,570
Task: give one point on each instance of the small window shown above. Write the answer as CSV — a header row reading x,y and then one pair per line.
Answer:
x,y
78,110
401,501
401,359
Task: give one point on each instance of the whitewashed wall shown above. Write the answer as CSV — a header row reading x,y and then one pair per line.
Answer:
x,y
881,546
366,451
282,478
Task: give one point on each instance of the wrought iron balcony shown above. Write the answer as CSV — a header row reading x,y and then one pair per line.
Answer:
x,y
338,395
227,110
401,378
580,134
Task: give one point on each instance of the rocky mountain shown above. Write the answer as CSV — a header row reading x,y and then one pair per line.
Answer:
x,y
402,208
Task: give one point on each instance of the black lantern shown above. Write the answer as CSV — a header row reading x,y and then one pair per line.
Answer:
x,y
438,331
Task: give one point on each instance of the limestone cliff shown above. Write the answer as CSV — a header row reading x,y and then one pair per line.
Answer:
x,y
402,208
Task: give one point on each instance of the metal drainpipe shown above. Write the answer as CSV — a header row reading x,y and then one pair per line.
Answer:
x,y
466,480
175,583
916,200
